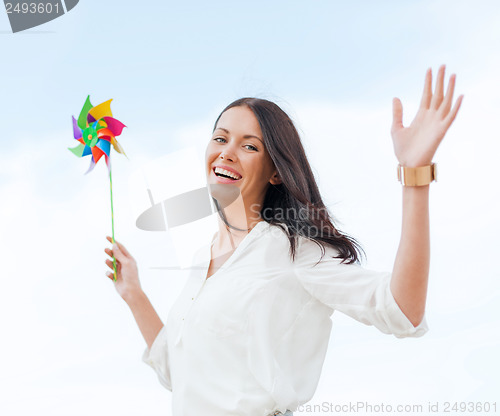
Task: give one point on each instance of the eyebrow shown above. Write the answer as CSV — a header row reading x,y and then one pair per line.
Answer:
x,y
248,136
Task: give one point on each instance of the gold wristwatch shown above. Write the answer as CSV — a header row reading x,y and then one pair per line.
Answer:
x,y
419,176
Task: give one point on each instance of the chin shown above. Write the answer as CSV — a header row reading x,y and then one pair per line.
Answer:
x,y
225,194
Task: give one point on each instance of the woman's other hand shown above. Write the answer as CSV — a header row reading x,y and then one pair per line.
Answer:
x,y
416,145
127,277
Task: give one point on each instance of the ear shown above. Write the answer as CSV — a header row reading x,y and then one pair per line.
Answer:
x,y
275,179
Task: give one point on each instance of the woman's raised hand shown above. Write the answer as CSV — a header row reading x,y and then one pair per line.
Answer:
x,y
416,145
127,277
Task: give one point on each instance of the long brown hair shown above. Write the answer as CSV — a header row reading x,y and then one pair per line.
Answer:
x,y
298,191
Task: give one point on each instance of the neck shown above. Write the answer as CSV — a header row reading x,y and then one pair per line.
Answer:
x,y
243,218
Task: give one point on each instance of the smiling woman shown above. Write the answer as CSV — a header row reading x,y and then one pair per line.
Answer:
x,y
249,333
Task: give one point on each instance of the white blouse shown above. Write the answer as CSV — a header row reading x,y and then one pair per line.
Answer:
x,y
252,338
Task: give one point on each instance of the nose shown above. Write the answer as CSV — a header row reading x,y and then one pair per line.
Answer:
x,y
225,156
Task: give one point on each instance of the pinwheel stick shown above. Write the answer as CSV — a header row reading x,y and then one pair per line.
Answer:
x,y
96,130
112,221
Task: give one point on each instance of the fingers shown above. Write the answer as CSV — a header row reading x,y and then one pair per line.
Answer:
x,y
427,94
397,114
453,113
437,98
448,99
117,254
120,246
109,263
113,254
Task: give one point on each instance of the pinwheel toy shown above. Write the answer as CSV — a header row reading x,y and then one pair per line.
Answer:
x,y
96,131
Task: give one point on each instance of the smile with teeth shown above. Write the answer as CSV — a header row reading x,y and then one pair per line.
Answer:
x,y
225,173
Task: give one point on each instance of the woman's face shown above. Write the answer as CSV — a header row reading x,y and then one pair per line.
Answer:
x,y
237,146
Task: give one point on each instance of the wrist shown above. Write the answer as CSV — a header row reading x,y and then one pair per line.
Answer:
x,y
414,163
416,189
133,296
418,176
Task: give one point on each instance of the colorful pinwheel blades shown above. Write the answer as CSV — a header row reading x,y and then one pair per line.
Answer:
x,y
96,130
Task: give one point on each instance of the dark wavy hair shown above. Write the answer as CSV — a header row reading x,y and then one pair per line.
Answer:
x,y
298,192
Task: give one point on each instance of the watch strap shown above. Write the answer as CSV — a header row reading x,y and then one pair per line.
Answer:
x,y
417,176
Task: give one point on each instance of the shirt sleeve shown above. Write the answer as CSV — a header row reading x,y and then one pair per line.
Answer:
x,y
362,294
157,358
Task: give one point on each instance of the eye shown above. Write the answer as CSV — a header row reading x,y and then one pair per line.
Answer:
x,y
252,147
219,138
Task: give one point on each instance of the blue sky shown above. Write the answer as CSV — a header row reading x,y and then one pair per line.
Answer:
x,y
171,67
165,63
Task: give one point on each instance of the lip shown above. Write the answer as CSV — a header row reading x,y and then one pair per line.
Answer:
x,y
226,180
228,168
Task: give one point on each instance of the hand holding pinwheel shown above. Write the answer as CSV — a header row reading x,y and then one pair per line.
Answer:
x,y
127,284
96,131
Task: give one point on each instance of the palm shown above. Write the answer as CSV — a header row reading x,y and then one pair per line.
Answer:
x,y
416,144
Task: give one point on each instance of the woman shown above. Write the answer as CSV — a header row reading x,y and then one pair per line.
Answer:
x,y
249,333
